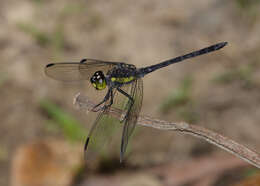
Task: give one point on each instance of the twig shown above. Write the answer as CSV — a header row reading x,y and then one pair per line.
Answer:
x,y
250,156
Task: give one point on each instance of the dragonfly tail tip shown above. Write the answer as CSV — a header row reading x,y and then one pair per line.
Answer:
x,y
220,45
225,43
86,144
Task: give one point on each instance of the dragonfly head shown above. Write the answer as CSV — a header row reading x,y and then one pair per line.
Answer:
x,y
98,80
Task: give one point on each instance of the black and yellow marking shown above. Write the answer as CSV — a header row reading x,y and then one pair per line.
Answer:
x,y
122,79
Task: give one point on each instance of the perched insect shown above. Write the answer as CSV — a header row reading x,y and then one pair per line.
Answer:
x,y
115,76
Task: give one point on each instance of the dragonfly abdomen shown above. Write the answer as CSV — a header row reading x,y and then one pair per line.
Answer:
x,y
149,69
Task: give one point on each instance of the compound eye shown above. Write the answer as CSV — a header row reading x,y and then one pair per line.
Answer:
x,y
93,79
99,73
98,80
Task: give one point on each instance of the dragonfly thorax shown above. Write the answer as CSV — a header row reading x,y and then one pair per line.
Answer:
x,y
98,80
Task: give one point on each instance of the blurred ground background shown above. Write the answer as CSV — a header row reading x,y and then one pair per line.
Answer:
x,y
42,134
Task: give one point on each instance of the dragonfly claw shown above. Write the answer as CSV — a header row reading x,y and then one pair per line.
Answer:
x,y
97,108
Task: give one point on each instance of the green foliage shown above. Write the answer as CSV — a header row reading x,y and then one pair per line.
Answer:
x,y
188,114
245,4
242,74
72,8
70,126
39,36
251,172
248,10
3,78
38,2
55,39
180,100
179,97
58,38
3,153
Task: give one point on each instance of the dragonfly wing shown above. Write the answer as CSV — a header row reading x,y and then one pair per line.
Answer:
x,y
132,113
101,132
75,71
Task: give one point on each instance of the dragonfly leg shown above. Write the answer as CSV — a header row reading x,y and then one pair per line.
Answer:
x,y
108,95
111,99
131,100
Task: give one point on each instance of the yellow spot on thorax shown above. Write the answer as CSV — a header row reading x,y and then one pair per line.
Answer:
x,y
123,79
113,79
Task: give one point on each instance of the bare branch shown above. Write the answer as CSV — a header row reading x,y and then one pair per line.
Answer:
x,y
250,156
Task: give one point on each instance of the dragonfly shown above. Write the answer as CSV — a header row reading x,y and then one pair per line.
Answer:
x,y
115,77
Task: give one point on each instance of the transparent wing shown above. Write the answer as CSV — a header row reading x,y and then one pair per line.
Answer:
x,y
105,126
75,71
100,133
132,113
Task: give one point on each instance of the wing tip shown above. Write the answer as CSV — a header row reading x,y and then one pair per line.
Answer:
x,y
86,144
83,60
49,65
121,157
122,150
85,148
